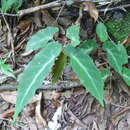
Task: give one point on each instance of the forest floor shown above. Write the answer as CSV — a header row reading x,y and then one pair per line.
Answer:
x,y
68,105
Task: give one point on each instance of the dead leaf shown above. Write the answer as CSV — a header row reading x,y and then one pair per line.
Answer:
x,y
56,95
76,119
7,113
31,124
10,97
54,124
95,126
39,119
126,41
24,24
3,78
91,8
49,94
55,104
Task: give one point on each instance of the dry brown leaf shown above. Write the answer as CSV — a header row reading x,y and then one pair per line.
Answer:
x,y
8,113
56,95
126,41
55,124
39,119
31,124
95,126
24,24
91,8
10,97
51,95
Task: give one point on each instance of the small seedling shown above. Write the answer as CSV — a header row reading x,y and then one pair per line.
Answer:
x,y
53,55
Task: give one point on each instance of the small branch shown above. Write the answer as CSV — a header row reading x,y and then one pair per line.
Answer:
x,y
8,87
62,85
7,14
115,8
34,9
59,86
59,3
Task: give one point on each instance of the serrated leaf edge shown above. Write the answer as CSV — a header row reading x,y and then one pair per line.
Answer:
x,y
34,79
118,66
87,73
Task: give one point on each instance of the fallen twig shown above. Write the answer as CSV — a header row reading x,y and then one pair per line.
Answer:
x,y
34,9
115,8
59,3
8,87
59,86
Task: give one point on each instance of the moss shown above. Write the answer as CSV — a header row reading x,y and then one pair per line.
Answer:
x,y
120,28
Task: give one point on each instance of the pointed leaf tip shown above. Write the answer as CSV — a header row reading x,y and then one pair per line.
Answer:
x,y
73,35
126,75
116,54
101,31
35,73
87,72
41,38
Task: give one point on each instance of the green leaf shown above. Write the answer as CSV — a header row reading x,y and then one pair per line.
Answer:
x,y
88,46
41,38
105,74
102,32
69,2
58,67
126,75
18,4
73,35
119,29
87,72
122,54
6,69
69,50
7,4
128,50
34,74
116,54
